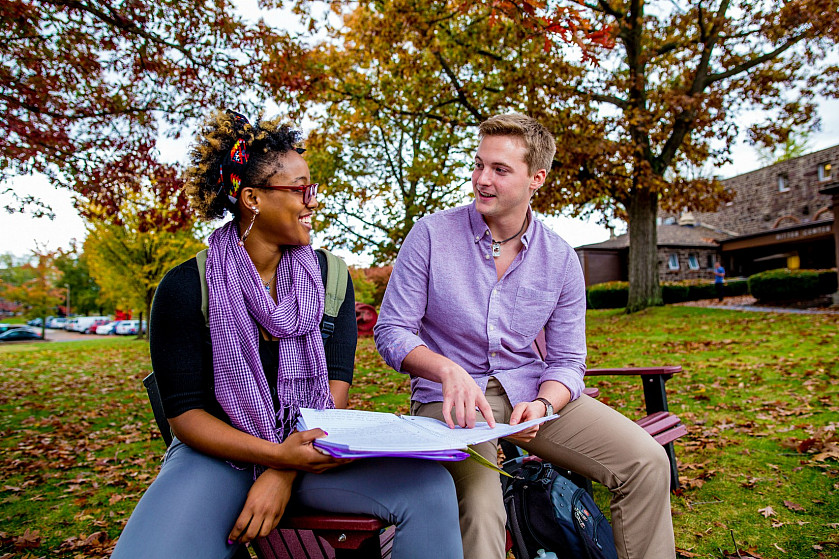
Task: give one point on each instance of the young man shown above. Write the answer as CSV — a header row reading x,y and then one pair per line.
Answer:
x,y
470,290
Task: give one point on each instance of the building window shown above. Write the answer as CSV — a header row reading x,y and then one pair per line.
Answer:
x,y
783,183
710,261
693,262
824,171
673,262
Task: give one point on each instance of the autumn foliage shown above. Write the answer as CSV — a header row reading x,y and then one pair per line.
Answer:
x,y
645,99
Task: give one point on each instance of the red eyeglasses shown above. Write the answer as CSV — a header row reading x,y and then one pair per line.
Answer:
x,y
309,190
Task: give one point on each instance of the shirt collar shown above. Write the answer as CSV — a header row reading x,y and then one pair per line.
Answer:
x,y
480,229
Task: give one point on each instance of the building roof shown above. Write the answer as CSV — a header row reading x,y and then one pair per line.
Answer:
x,y
669,235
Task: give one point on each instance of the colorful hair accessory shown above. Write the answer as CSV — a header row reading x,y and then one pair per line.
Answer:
x,y
233,166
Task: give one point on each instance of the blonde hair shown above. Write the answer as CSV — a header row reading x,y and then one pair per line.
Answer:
x,y
539,143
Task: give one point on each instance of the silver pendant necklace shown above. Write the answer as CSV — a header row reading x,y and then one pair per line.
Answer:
x,y
496,245
267,284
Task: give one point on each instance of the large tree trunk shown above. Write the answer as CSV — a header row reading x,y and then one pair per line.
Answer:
x,y
644,290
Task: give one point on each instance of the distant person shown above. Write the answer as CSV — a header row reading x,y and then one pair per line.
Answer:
x,y
231,391
471,288
719,280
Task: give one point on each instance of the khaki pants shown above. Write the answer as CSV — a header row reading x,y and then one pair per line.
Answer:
x,y
591,439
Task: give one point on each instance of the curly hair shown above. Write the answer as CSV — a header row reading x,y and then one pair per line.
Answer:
x,y
265,138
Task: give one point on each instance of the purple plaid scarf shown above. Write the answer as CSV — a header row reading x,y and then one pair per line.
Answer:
x,y
237,301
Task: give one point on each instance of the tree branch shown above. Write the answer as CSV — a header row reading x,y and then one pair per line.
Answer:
x,y
749,64
458,88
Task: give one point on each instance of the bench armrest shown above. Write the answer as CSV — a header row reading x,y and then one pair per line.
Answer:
x,y
663,370
652,380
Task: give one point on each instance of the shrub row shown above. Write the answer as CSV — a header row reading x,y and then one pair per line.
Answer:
x,y
775,285
785,285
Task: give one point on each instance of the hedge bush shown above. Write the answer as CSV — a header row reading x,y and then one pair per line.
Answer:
x,y
784,284
776,285
609,295
735,287
674,292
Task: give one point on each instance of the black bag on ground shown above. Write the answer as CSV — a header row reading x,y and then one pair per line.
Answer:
x,y
546,510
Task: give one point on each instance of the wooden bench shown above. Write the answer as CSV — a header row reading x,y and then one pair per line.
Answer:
x,y
316,535
664,426
304,533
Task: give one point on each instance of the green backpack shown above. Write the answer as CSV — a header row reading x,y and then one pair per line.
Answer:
x,y
336,288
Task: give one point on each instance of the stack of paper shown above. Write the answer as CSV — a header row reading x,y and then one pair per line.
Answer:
x,y
367,434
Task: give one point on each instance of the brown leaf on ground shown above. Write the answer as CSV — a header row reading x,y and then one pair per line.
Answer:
x,y
794,506
742,554
29,540
767,512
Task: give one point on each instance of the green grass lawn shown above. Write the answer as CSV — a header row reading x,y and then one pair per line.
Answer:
x,y
759,467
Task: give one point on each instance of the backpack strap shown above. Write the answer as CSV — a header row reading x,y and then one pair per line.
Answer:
x,y
201,259
335,287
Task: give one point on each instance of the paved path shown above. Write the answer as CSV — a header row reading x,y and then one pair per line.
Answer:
x,y
747,303
755,308
54,335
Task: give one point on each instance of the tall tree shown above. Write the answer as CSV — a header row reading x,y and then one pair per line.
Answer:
x,y
38,294
129,264
634,125
409,168
75,275
83,82
135,238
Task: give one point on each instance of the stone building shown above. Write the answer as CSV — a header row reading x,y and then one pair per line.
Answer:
x,y
777,219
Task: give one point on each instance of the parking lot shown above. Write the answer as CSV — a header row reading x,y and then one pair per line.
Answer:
x,y
54,335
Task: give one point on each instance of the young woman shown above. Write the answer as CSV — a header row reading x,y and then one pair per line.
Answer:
x,y
231,391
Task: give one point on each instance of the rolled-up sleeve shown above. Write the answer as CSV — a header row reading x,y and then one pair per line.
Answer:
x,y
400,318
565,332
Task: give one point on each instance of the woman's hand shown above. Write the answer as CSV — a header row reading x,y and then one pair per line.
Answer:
x,y
266,502
298,453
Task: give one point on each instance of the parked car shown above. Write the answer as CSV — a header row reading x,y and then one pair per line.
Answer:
x,y
6,327
34,322
82,323
129,327
107,328
56,322
96,324
19,334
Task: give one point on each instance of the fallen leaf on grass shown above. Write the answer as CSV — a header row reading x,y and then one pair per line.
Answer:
x,y
767,512
794,506
742,554
779,548
29,540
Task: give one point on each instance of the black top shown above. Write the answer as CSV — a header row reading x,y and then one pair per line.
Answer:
x,y
181,348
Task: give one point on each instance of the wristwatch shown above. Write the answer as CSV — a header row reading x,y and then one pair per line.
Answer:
x,y
549,409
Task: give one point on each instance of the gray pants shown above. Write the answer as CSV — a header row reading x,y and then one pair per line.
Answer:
x,y
589,438
189,510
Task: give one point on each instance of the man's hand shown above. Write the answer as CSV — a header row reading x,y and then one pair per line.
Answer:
x,y
298,453
264,506
525,411
461,393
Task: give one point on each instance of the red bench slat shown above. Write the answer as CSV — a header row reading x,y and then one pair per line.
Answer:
x,y
322,521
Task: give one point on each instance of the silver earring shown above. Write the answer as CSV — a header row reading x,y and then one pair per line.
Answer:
x,y
248,230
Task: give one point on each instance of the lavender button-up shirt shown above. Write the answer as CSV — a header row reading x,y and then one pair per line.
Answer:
x,y
444,293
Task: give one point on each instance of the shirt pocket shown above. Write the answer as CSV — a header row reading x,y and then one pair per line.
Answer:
x,y
532,309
